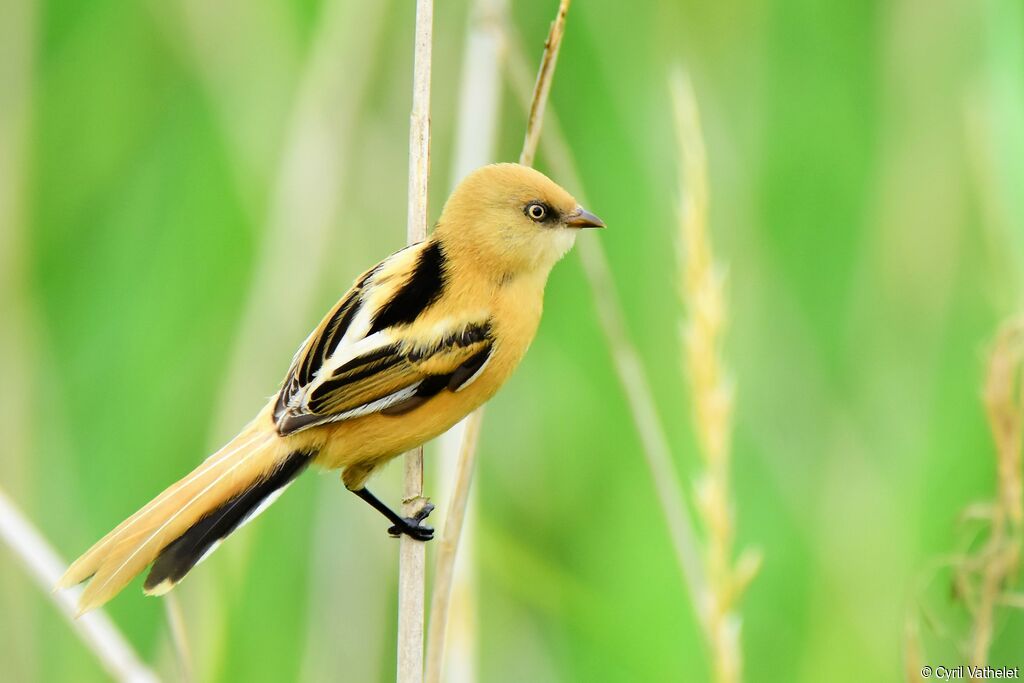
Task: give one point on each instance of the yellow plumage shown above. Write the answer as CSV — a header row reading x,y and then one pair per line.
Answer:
x,y
420,341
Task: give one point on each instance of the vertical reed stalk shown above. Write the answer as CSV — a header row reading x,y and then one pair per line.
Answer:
x,y
179,637
448,548
703,292
412,553
451,630
302,208
639,396
20,343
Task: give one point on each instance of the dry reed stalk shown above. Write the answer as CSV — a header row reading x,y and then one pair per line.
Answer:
x,y
304,201
985,574
412,554
629,369
451,630
20,342
985,577
448,549
303,206
179,637
542,86
95,629
913,657
703,292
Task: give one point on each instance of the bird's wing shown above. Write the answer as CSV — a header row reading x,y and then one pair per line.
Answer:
x,y
367,355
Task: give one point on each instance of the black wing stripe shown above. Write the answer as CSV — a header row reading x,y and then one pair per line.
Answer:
x,y
468,369
335,329
335,384
290,388
423,288
435,384
428,388
340,330
467,336
315,356
331,405
367,366
289,424
358,361
323,345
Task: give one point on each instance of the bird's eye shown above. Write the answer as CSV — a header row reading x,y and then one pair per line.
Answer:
x,y
537,212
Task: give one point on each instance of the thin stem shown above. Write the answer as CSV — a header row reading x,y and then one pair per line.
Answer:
x,y
986,572
546,73
702,290
302,207
179,636
448,549
639,396
20,345
451,630
412,553
999,559
95,629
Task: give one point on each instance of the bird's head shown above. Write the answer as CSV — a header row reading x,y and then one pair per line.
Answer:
x,y
512,219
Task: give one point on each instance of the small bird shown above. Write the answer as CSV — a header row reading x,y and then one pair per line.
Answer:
x,y
420,340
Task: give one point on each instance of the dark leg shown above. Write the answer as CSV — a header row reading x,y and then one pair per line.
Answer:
x,y
410,526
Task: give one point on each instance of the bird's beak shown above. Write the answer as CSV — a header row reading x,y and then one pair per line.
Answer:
x,y
581,218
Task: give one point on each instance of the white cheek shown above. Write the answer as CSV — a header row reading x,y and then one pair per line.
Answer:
x,y
562,241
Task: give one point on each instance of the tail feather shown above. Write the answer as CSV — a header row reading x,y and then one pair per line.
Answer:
x,y
86,565
203,537
202,508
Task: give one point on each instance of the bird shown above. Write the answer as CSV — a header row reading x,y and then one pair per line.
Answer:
x,y
418,342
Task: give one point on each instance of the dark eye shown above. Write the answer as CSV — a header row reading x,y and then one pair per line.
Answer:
x,y
537,212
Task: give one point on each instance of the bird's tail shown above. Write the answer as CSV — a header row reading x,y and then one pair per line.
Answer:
x,y
187,521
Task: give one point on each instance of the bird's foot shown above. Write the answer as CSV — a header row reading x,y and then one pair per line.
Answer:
x,y
414,527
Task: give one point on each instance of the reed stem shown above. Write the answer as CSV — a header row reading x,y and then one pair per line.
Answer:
x,y
640,398
412,553
448,549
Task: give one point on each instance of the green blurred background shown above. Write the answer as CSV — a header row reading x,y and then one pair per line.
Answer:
x,y
186,186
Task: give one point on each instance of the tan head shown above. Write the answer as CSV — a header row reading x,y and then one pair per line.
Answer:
x,y
512,219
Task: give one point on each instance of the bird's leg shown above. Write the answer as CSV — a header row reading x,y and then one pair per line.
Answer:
x,y
410,526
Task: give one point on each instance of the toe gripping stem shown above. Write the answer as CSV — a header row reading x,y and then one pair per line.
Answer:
x,y
410,526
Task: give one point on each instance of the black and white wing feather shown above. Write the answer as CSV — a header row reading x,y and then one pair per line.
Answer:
x,y
369,356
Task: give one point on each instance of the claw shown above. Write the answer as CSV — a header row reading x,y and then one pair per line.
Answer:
x,y
424,512
414,527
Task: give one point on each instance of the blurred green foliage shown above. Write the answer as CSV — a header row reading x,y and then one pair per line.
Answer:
x,y
867,166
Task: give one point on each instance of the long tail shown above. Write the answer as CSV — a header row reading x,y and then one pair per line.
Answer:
x,y
188,521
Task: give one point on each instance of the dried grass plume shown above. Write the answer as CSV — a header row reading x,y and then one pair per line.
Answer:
x,y
702,290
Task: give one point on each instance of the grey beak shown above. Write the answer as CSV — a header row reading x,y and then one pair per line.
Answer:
x,y
581,218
